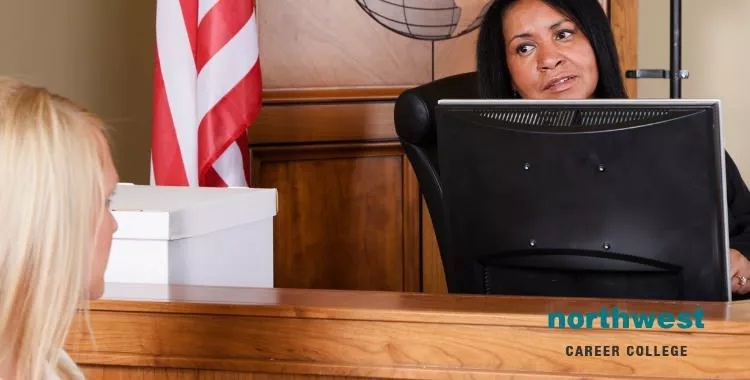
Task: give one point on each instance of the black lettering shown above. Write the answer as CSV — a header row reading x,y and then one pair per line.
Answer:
x,y
656,351
569,350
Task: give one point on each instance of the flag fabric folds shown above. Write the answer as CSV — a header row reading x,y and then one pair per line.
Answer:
x,y
207,92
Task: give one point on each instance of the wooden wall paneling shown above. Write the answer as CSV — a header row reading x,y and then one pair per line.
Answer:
x,y
624,18
455,56
348,202
346,216
330,48
323,123
433,272
412,266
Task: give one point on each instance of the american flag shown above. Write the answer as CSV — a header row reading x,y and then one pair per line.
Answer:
x,y
207,92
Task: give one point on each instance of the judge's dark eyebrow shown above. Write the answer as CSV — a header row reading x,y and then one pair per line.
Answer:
x,y
553,26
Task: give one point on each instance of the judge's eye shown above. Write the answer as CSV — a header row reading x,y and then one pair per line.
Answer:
x,y
564,34
524,49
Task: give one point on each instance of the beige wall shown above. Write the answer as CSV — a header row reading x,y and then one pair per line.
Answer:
x,y
97,52
715,51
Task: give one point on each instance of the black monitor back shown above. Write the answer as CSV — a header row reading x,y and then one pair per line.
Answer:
x,y
616,199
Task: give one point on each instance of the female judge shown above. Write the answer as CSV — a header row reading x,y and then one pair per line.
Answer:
x,y
565,49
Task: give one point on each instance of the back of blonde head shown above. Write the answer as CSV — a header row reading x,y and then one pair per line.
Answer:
x,y
51,197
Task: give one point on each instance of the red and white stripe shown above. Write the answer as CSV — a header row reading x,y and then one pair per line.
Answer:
x,y
207,92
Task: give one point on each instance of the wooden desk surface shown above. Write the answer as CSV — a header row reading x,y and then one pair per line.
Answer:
x,y
190,331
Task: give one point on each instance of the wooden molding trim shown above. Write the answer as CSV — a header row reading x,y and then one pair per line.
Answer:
x,y
318,151
328,95
308,124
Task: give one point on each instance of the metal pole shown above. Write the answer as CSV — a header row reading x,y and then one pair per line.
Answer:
x,y
675,64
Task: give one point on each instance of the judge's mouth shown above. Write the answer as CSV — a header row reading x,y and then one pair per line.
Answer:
x,y
561,83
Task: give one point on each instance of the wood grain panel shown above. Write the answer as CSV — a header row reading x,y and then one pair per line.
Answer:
x,y
343,220
158,330
332,44
125,373
624,18
412,228
331,95
506,310
433,272
130,373
243,343
277,124
456,56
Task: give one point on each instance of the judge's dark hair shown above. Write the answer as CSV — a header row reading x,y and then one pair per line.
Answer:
x,y
492,65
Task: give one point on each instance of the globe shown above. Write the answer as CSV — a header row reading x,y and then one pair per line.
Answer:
x,y
427,19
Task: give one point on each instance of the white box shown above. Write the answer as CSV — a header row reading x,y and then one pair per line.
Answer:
x,y
193,236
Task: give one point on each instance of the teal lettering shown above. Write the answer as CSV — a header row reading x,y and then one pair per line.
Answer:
x,y
604,315
622,315
590,317
639,319
559,317
614,318
698,315
575,320
666,320
685,320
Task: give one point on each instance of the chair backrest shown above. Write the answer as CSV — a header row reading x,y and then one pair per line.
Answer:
x,y
414,118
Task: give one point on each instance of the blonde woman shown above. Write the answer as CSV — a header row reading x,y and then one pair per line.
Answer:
x,y
56,178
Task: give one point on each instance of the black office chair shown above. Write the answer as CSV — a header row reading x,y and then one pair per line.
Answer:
x,y
415,125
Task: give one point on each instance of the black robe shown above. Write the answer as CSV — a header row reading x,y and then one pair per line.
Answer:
x,y
738,202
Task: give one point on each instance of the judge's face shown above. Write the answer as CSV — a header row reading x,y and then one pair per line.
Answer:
x,y
549,57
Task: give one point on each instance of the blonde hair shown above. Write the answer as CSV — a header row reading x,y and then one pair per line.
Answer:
x,y
52,193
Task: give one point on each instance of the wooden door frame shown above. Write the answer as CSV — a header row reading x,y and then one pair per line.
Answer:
x,y
623,15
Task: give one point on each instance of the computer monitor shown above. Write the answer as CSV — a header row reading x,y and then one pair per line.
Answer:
x,y
592,198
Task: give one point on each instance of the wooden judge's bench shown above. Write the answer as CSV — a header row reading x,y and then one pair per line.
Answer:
x,y
183,332
359,285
